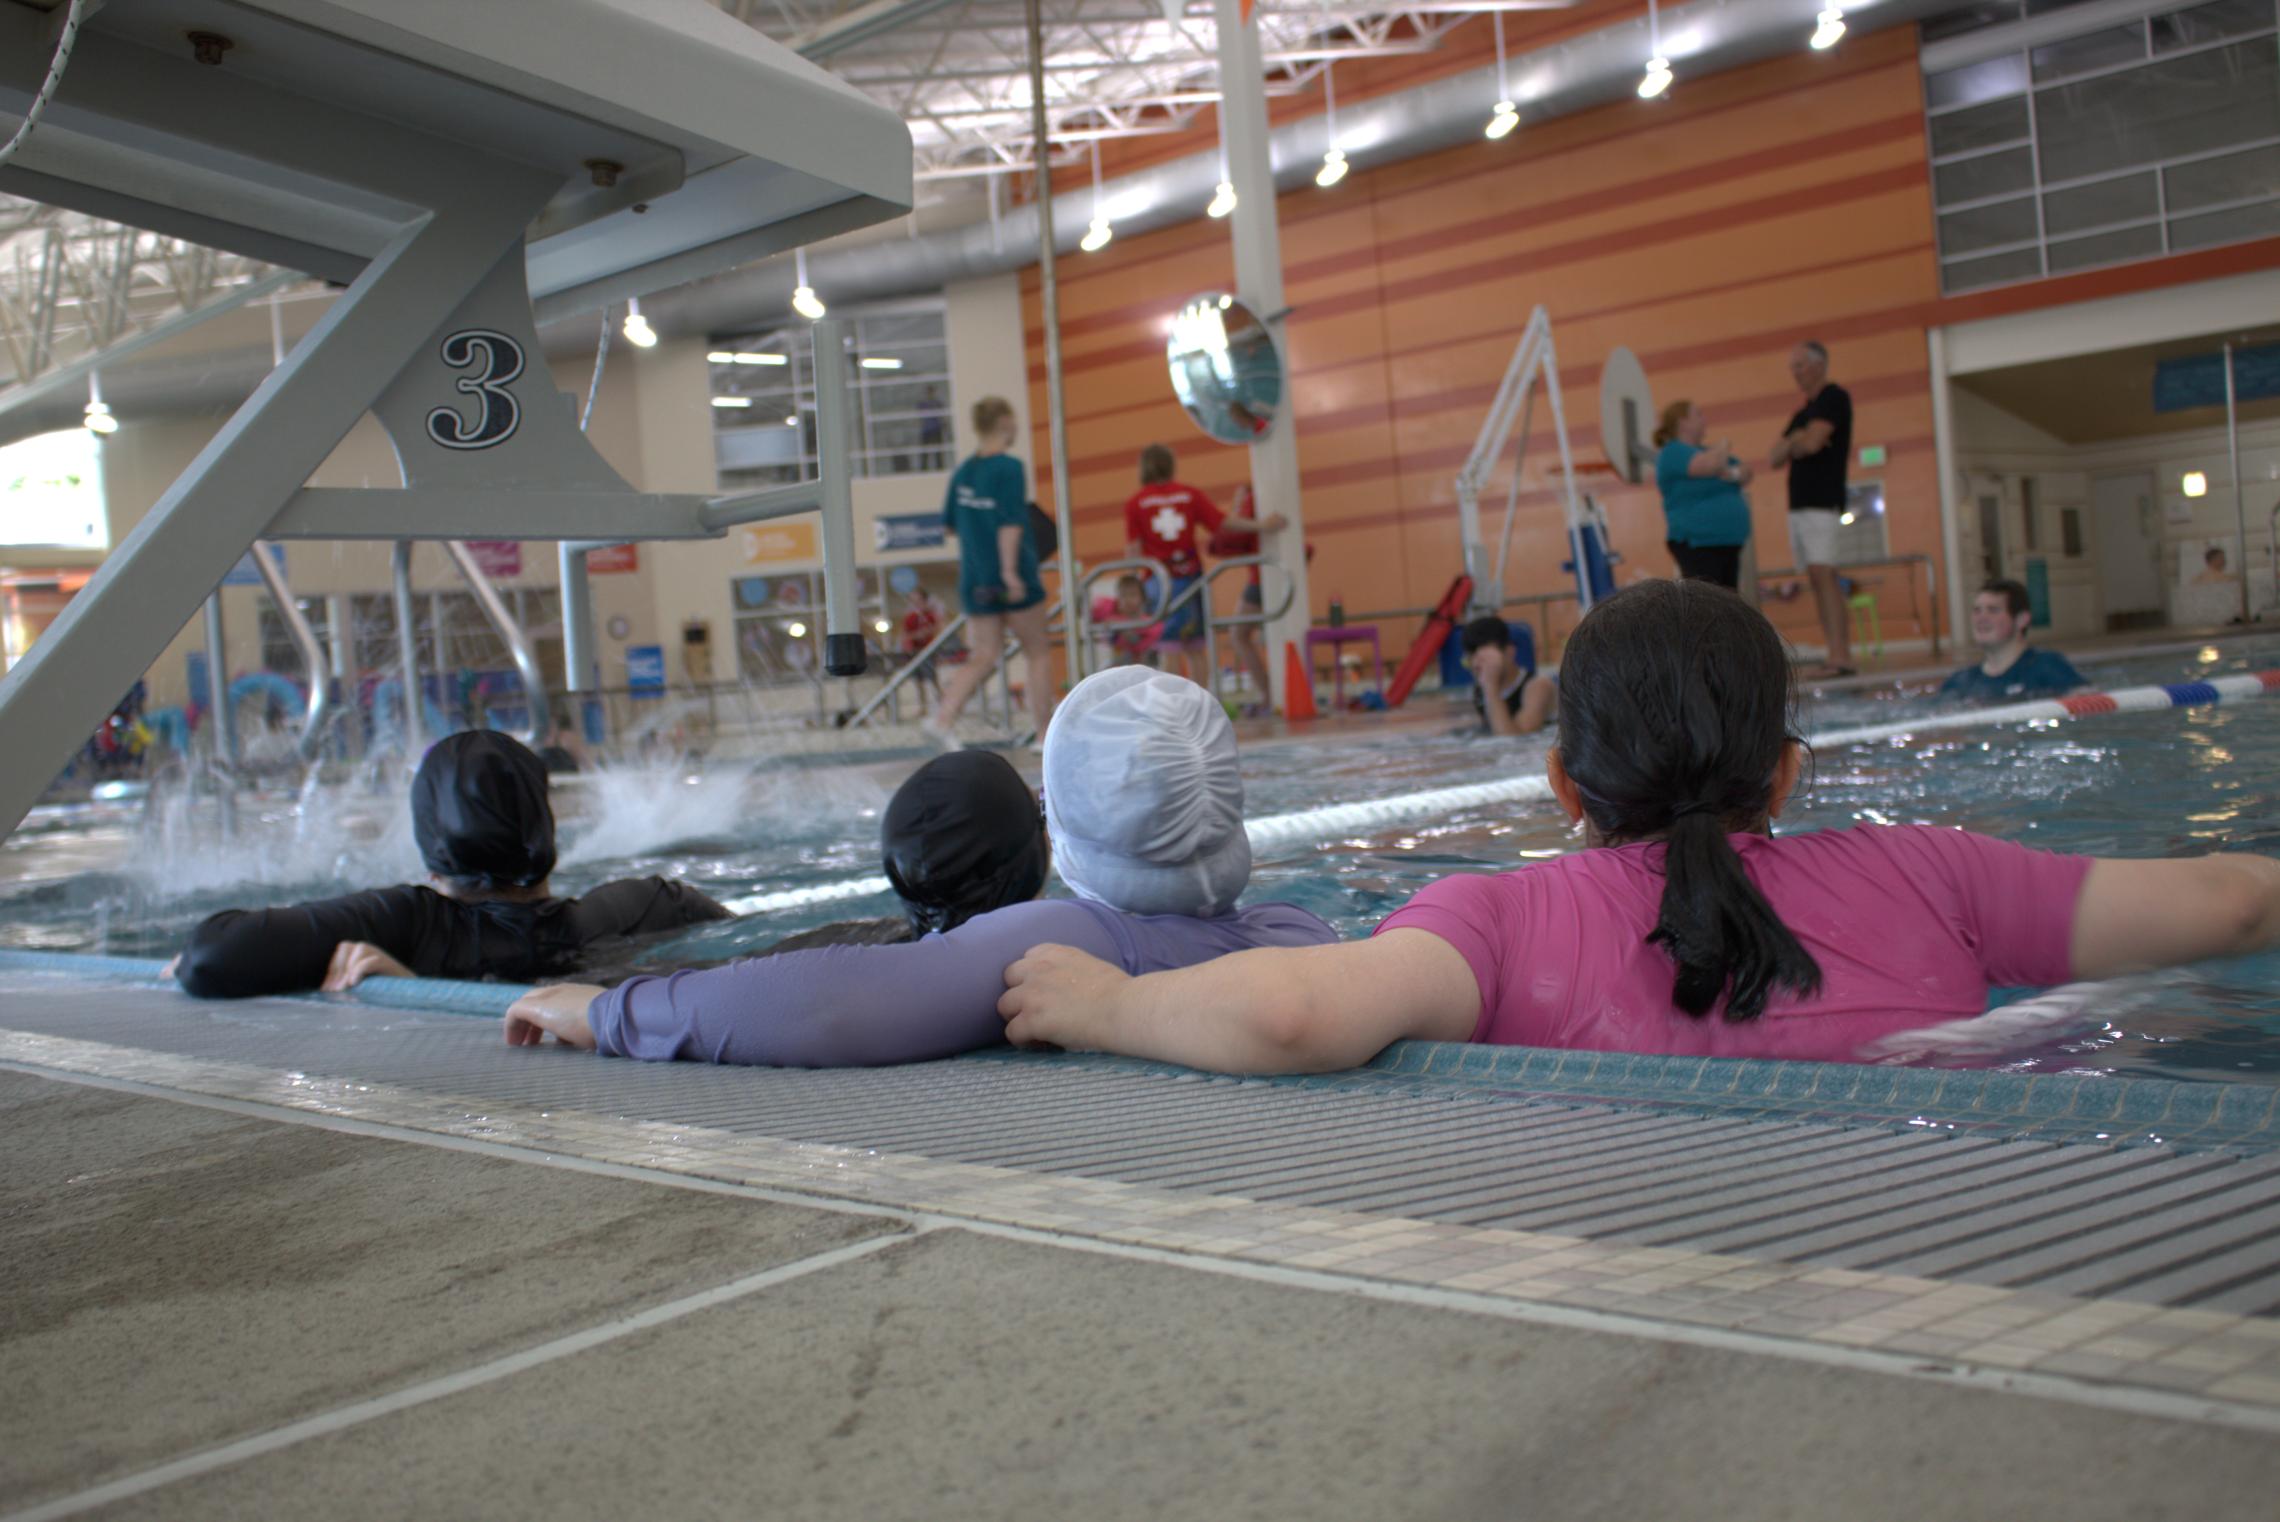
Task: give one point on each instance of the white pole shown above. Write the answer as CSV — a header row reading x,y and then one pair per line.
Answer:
x,y
1259,281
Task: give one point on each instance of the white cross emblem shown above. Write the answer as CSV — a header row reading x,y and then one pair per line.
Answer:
x,y
1168,522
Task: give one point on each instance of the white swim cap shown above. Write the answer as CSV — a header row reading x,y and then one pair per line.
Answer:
x,y
1144,797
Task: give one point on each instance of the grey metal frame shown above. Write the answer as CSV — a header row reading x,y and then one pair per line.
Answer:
x,y
314,717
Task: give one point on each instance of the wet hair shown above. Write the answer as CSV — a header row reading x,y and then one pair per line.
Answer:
x,y
963,835
1487,629
1816,348
2014,595
1157,464
989,413
1672,416
1675,702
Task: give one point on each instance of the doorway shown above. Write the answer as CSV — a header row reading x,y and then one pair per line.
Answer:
x,y
2122,513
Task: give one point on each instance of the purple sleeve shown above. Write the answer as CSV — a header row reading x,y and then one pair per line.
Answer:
x,y
1471,914
2015,905
844,1006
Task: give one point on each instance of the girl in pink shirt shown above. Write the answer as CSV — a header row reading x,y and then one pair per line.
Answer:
x,y
1687,926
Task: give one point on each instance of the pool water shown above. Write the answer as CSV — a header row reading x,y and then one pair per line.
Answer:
x,y
130,881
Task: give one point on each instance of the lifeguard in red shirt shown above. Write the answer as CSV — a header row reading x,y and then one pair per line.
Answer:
x,y
1161,521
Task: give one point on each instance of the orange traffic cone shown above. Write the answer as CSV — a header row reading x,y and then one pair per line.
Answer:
x,y
1298,685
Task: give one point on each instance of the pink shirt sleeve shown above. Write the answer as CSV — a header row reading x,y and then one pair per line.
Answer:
x,y
2015,905
1474,914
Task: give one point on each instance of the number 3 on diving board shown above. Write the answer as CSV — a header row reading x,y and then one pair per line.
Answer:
x,y
495,360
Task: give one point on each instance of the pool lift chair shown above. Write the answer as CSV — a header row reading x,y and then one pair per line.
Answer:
x,y
465,174
1534,361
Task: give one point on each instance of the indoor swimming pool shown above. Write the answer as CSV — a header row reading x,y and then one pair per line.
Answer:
x,y
130,881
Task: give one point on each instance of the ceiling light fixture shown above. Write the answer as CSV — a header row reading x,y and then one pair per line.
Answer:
x,y
1658,76
1096,236
98,417
638,332
1333,160
804,299
1831,28
1507,114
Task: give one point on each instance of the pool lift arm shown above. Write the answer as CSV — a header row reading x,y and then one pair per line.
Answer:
x,y
456,166
1534,360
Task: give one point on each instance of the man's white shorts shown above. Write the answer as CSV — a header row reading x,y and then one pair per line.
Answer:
x,y
1813,535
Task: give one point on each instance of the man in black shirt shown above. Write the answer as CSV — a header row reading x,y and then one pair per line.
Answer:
x,y
486,831
1815,446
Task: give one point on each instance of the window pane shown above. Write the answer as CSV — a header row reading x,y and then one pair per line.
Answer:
x,y
2225,226
1990,79
2180,106
2002,121
2235,177
1963,232
2100,205
2211,23
1996,269
1990,174
2105,248
2097,50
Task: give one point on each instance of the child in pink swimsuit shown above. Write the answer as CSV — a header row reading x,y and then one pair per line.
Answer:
x,y
1687,926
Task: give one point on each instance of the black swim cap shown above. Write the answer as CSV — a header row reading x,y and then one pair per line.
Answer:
x,y
963,836
479,811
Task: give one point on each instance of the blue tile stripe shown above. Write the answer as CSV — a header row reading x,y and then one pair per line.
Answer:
x,y
2232,1117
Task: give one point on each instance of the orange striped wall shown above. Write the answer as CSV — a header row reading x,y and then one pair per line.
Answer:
x,y
1708,231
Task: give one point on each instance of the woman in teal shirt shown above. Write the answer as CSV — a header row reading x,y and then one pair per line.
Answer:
x,y
1708,518
987,507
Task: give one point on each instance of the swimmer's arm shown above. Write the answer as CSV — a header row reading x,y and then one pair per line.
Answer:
x,y
247,953
1312,1009
840,1006
2135,915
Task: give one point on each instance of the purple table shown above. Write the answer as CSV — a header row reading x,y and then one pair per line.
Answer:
x,y
1336,637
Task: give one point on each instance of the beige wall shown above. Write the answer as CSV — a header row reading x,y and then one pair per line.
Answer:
x,y
982,320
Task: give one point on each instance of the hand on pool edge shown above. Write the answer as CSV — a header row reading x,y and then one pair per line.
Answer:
x,y
354,961
558,1010
1060,996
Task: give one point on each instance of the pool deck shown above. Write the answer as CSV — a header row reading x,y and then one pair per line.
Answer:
x,y
265,1253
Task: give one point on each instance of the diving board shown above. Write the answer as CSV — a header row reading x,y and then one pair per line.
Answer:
x,y
449,162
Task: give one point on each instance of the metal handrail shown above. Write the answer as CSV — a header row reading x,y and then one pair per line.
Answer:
x,y
1262,617
518,644
304,640
912,665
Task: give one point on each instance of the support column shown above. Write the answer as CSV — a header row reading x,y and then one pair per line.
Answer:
x,y
408,652
2240,497
1259,282
218,703
340,639
579,672
1951,516
1057,423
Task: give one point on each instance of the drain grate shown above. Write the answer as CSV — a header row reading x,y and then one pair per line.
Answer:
x,y
2147,1222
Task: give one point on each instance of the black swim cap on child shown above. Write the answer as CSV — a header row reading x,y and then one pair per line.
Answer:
x,y
963,836
479,811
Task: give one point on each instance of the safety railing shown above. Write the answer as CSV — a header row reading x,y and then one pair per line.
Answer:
x,y
1198,593
1923,619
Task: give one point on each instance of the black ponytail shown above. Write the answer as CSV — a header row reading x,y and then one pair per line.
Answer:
x,y
1674,709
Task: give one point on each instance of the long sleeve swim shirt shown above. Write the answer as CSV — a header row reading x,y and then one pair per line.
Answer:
x,y
937,996
1910,925
244,953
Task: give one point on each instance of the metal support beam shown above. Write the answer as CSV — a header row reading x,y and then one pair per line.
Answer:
x,y
511,632
2240,499
313,663
152,583
845,652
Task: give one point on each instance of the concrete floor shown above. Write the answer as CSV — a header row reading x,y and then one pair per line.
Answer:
x,y
182,1277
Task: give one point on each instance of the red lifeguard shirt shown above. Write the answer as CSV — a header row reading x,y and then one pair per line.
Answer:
x,y
1165,519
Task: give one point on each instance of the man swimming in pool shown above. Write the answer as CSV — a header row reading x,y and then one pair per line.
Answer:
x,y
2010,669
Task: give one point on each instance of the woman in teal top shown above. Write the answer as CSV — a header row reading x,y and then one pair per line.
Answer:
x,y
987,507
1708,517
